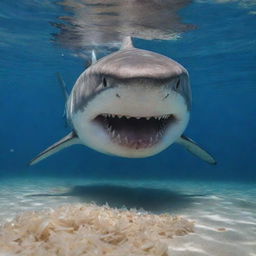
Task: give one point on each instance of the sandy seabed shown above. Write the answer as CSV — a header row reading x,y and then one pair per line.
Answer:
x,y
56,217
88,229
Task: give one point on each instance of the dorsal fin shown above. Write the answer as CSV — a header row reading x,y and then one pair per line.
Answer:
x,y
94,58
127,43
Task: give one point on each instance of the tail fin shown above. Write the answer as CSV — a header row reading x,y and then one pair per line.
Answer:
x,y
63,85
65,93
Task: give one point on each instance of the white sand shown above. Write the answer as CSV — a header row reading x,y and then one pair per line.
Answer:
x,y
225,213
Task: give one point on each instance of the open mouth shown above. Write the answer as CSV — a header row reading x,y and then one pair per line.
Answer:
x,y
135,132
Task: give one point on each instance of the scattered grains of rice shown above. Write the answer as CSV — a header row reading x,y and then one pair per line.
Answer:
x,y
88,229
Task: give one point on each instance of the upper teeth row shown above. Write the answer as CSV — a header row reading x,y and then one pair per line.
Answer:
x,y
137,117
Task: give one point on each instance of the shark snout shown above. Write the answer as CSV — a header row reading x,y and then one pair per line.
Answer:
x,y
165,96
138,101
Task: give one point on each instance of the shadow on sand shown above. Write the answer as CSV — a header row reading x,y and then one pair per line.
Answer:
x,y
149,199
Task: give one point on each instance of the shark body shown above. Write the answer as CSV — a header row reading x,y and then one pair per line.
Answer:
x,y
132,103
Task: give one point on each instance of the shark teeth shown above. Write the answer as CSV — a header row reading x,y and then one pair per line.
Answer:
x,y
136,143
161,117
135,132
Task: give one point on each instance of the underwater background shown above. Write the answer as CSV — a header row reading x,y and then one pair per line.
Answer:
x,y
214,40
219,54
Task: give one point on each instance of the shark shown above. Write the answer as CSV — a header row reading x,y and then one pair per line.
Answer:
x,y
132,103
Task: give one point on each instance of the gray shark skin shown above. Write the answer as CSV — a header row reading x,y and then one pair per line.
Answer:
x,y
132,103
126,66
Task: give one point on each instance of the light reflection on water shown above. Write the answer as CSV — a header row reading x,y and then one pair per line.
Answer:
x,y
105,23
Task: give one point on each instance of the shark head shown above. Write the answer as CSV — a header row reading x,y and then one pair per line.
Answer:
x,y
132,103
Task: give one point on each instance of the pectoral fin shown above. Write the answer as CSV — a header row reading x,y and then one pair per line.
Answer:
x,y
195,149
65,142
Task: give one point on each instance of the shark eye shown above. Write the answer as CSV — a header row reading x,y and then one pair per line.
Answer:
x,y
104,82
177,84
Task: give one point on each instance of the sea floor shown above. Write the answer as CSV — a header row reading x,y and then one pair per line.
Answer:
x,y
224,213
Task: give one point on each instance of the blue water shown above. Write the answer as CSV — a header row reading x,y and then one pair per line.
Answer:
x,y
219,53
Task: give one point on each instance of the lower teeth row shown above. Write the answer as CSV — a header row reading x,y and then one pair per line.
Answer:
x,y
116,136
